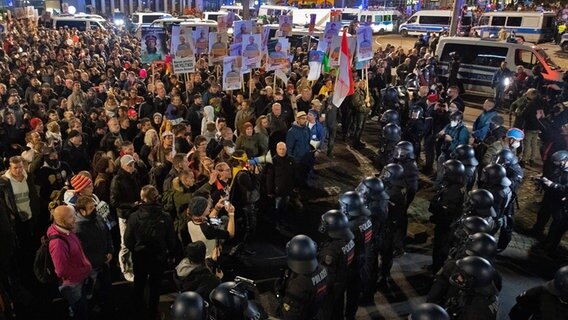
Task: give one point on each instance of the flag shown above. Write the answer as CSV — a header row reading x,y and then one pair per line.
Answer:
x,y
344,85
325,63
281,75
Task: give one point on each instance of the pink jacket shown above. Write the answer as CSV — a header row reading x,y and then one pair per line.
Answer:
x,y
71,264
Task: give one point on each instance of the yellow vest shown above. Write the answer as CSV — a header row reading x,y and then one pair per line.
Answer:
x,y
561,28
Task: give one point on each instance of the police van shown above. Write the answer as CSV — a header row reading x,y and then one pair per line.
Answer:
x,y
531,26
81,22
480,59
381,21
237,9
167,23
433,21
145,19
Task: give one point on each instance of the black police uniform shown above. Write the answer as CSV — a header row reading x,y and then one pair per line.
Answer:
x,y
446,209
362,228
303,294
387,142
411,180
466,155
337,256
552,205
414,130
395,188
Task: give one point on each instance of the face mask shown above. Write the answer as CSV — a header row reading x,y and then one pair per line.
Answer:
x,y
454,123
230,150
516,144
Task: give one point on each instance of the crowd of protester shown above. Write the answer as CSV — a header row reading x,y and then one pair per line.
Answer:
x,y
132,168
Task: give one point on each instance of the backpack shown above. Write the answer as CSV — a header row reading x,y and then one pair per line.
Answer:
x,y
152,231
44,269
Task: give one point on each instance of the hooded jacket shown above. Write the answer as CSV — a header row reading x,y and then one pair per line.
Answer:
x,y
95,238
197,278
146,214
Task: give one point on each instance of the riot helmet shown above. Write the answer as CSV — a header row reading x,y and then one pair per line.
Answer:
x,y
391,132
472,225
336,225
372,188
481,203
559,158
392,173
465,154
189,305
559,285
391,96
472,272
390,115
403,150
429,311
454,171
302,254
495,174
411,82
482,245
506,158
353,205
227,302
415,112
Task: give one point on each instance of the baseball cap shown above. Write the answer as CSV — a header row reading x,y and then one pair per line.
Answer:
x,y
126,160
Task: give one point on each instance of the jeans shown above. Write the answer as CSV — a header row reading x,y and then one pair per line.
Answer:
x,y
531,145
359,119
124,256
499,95
280,206
75,296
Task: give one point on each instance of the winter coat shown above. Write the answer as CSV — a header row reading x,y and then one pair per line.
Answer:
x,y
280,176
95,238
124,192
76,157
298,142
197,278
148,213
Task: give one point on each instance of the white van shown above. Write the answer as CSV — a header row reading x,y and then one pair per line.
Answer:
x,y
238,9
81,22
381,21
432,21
144,19
480,59
301,17
167,23
275,11
213,15
532,26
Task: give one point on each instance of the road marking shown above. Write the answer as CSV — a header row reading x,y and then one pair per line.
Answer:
x,y
364,163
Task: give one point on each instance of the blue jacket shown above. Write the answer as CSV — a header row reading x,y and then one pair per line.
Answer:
x,y
482,124
298,142
317,133
459,134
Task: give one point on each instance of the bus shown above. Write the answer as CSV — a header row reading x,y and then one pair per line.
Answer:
x,y
381,21
433,21
534,27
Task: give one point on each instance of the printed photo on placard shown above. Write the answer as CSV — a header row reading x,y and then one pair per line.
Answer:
x,y
230,19
183,52
251,50
335,49
285,23
201,40
241,28
236,49
364,43
331,29
153,44
222,24
278,54
231,74
217,47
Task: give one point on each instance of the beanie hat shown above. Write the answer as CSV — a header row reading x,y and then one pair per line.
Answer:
x,y
80,182
34,122
195,251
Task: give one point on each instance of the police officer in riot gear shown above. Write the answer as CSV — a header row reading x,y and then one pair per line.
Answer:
x,y
466,155
547,301
494,179
392,177
414,129
387,142
557,189
480,204
353,206
465,228
189,305
473,292
446,209
480,245
404,155
304,286
389,116
510,162
232,301
372,190
336,254
429,311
